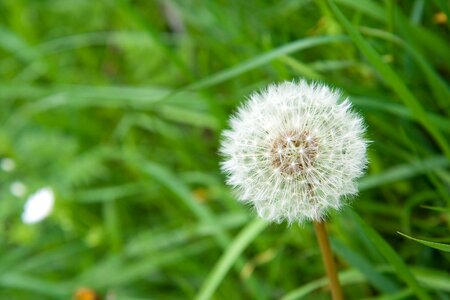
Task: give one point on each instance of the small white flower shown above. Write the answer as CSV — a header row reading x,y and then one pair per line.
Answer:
x,y
294,151
38,206
17,188
7,164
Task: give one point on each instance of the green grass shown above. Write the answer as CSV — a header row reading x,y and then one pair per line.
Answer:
x,y
118,106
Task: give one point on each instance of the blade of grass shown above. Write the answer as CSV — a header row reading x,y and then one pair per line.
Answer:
x,y
117,269
242,240
403,172
438,86
436,208
379,281
174,107
41,287
438,246
30,54
431,278
432,41
263,59
300,68
403,294
46,258
134,16
417,11
108,193
391,78
111,220
170,181
399,110
409,205
443,5
393,258
179,189
345,277
101,96
434,279
13,43
160,240
369,8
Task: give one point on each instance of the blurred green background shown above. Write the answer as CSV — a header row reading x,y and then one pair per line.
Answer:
x,y
117,108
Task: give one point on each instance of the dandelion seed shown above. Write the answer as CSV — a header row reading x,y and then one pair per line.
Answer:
x,y
306,157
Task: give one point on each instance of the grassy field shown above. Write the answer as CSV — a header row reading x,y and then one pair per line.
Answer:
x,y
118,106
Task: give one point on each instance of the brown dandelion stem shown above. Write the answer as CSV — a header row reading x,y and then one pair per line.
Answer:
x,y
328,260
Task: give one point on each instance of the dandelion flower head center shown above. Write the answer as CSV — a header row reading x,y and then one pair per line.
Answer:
x,y
293,152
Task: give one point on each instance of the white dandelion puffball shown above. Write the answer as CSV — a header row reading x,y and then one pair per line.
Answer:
x,y
7,164
294,151
38,206
18,189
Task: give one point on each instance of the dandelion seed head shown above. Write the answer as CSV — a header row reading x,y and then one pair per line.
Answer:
x,y
38,206
18,189
294,151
